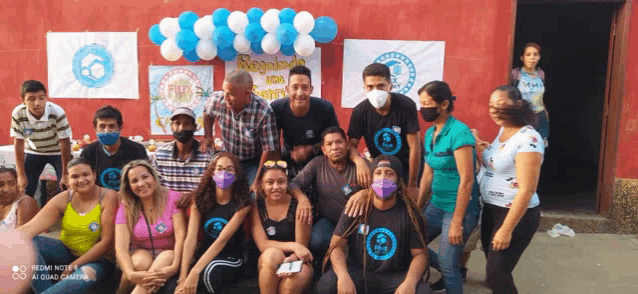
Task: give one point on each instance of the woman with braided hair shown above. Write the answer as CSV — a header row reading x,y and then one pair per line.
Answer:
x,y
387,252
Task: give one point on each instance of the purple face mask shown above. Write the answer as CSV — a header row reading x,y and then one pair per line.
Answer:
x,y
384,188
223,179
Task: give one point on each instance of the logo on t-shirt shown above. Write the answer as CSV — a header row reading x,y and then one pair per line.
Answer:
x,y
94,226
110,178
27,132
271,231
310,134
161,227
402,70
346,189
214,226
387,141
381,244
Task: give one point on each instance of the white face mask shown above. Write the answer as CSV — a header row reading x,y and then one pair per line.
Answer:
x,y
378,98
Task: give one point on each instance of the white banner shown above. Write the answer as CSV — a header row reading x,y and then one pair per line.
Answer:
x,y
270,72
93,65
412,65
178,86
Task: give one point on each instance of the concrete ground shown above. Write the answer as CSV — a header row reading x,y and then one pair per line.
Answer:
x,y
587,263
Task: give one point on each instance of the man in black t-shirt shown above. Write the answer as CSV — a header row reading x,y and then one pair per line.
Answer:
x,y
333,177
389,124
302,119
111,152
390,237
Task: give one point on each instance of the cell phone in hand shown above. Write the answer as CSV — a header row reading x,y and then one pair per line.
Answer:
x,y
290,267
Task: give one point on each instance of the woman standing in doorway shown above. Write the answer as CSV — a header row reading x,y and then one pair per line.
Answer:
x,y
530,80
511,214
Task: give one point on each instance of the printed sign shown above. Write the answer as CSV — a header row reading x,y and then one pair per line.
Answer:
x,y
270,72
93,65
178,86
412,64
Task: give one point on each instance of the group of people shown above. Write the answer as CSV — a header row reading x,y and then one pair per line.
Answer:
x,y
181,222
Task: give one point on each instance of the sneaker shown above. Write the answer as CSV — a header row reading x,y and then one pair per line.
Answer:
x,y
439,285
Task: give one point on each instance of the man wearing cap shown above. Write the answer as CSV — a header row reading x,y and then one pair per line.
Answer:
x,y
180,163
386,245
111,152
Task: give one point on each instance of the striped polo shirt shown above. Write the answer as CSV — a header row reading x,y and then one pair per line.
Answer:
x,y
177,174
42,135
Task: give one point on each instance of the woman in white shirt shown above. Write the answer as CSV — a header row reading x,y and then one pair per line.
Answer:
x,y
512,162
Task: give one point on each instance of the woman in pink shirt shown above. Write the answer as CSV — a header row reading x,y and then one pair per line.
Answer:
x,y
149,230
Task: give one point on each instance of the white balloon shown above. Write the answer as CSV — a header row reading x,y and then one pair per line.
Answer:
x,y
270,44
241,44
204,27
237,22
304,22
206,49
304,45
270,21
170,51
169,27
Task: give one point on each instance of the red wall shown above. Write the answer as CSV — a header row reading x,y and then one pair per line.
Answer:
x,y
627,154
477,36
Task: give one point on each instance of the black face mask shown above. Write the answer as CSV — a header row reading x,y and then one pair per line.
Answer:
x,y
430,114
183,136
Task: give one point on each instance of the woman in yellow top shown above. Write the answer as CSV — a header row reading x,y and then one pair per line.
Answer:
x,y
87,212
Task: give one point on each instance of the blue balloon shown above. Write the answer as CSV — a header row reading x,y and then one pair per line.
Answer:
x,y
288,50
256,48
155,35
186,40
223,36
191,56
254,15
187,20
286,34
220,16
287,15
254,32
325,29
226,53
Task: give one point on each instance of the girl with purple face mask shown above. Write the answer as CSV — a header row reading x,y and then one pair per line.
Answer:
x,y
277,234
218,208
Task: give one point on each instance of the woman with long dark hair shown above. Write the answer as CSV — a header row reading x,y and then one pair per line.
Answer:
x,y
218,208
16,209
448,173
511,214
86,238
530,80
279,237
387,244
149,230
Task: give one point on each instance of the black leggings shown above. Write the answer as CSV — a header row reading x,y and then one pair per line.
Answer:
x,y
384,283
500,264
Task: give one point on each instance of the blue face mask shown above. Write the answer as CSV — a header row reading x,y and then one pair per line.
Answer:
x,y
108,138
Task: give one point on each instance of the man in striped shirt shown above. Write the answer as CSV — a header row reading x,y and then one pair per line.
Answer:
x,y
180,163
43,126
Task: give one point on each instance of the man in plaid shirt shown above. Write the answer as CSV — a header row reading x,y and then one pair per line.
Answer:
x,y
248,124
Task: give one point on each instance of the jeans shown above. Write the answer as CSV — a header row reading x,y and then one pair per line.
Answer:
x,y
447,260
500,264
33,166
250,167
52,252
321,235
542,125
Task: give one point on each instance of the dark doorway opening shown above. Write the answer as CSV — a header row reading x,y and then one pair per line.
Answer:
x,y
575,42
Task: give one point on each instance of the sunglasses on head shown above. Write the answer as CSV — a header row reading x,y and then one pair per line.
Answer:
x,y
7,166
278,163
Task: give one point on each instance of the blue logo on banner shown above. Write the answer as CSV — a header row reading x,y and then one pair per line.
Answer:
x,y
214,226
403,71
381,244
110,178
387,141
93,66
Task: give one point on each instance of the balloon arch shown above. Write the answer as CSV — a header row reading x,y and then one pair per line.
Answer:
x,y
225,34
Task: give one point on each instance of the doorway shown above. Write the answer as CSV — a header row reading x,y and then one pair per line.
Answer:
x,y
575,40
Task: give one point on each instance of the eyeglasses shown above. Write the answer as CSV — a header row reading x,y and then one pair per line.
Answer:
x,y
279,163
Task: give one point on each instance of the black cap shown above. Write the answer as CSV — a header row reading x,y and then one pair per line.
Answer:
x,y
395,164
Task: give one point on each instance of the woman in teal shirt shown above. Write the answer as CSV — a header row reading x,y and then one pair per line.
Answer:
x,y
448,174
